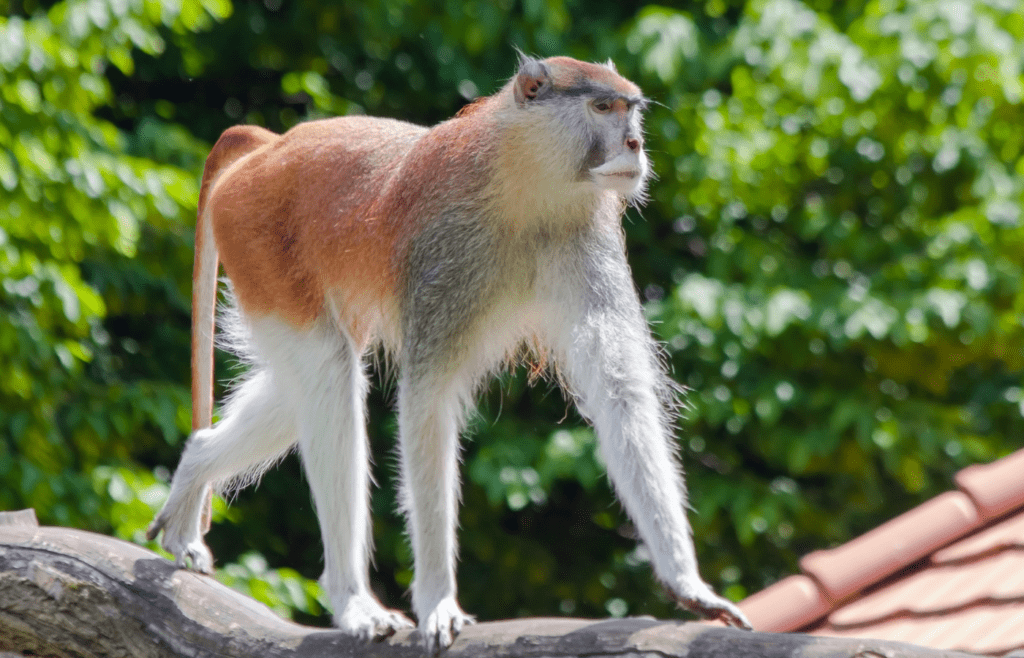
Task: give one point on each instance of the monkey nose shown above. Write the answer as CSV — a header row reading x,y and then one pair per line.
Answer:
x,y
633,144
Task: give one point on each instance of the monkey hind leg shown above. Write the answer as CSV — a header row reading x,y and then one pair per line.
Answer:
x,y
324,374
256,430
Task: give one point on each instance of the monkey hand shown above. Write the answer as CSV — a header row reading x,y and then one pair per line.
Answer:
x,y
442,625
364,617
703,602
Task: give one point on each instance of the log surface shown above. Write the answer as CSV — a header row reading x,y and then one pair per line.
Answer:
x,y
66,592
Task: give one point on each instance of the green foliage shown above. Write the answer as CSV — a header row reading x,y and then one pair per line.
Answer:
x,y
284,591
853,201
80,219
832,257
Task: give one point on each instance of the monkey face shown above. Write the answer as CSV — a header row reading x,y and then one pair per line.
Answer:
x,y
621,164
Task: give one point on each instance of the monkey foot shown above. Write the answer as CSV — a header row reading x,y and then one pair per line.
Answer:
x,y
190,552
444,623
364,617
704,603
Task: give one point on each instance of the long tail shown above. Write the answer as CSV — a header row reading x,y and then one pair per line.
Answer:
x,y
232,145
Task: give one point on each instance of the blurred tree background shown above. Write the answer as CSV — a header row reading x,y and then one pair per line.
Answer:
x,y
832,256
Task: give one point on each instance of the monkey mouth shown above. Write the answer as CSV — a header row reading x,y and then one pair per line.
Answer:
x,y
622,167
627,173
624,174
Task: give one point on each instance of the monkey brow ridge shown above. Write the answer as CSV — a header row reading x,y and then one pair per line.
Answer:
x,y
603,93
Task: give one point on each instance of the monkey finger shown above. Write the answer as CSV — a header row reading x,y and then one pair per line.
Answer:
x,y
443,625
395,622
735,619
711,606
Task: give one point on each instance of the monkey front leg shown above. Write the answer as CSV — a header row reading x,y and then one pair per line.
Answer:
x,y
429,419
610,365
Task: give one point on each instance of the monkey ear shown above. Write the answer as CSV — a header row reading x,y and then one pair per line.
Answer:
x,y
610,65
532,81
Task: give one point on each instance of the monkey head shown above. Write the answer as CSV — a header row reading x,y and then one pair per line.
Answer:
x,y
597,116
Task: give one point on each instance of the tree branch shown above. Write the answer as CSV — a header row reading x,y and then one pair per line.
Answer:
x,y
66,592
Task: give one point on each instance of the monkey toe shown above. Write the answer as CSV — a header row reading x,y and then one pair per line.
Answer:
x,y
190,554
200,558
154,528
443,625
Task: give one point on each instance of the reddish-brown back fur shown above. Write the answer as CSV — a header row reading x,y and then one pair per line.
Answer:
x,y
329,207
301,216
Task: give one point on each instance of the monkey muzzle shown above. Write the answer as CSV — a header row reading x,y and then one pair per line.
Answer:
x,y
626,173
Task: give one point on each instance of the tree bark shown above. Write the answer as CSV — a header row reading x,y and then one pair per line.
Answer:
x,y
66,592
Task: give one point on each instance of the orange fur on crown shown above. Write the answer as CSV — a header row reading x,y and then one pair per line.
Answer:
x,y
567,72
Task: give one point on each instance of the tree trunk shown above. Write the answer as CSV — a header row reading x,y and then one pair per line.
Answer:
x,y
67,592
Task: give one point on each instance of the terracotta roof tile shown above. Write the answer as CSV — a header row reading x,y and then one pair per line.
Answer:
x,y
922,577
940,589
790,603
903,629
998,487
1008,534
892,546
987,629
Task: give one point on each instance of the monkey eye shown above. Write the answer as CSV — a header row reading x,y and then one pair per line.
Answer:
x,y
602,107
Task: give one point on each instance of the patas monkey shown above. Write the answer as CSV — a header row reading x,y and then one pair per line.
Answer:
x,y
451,246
